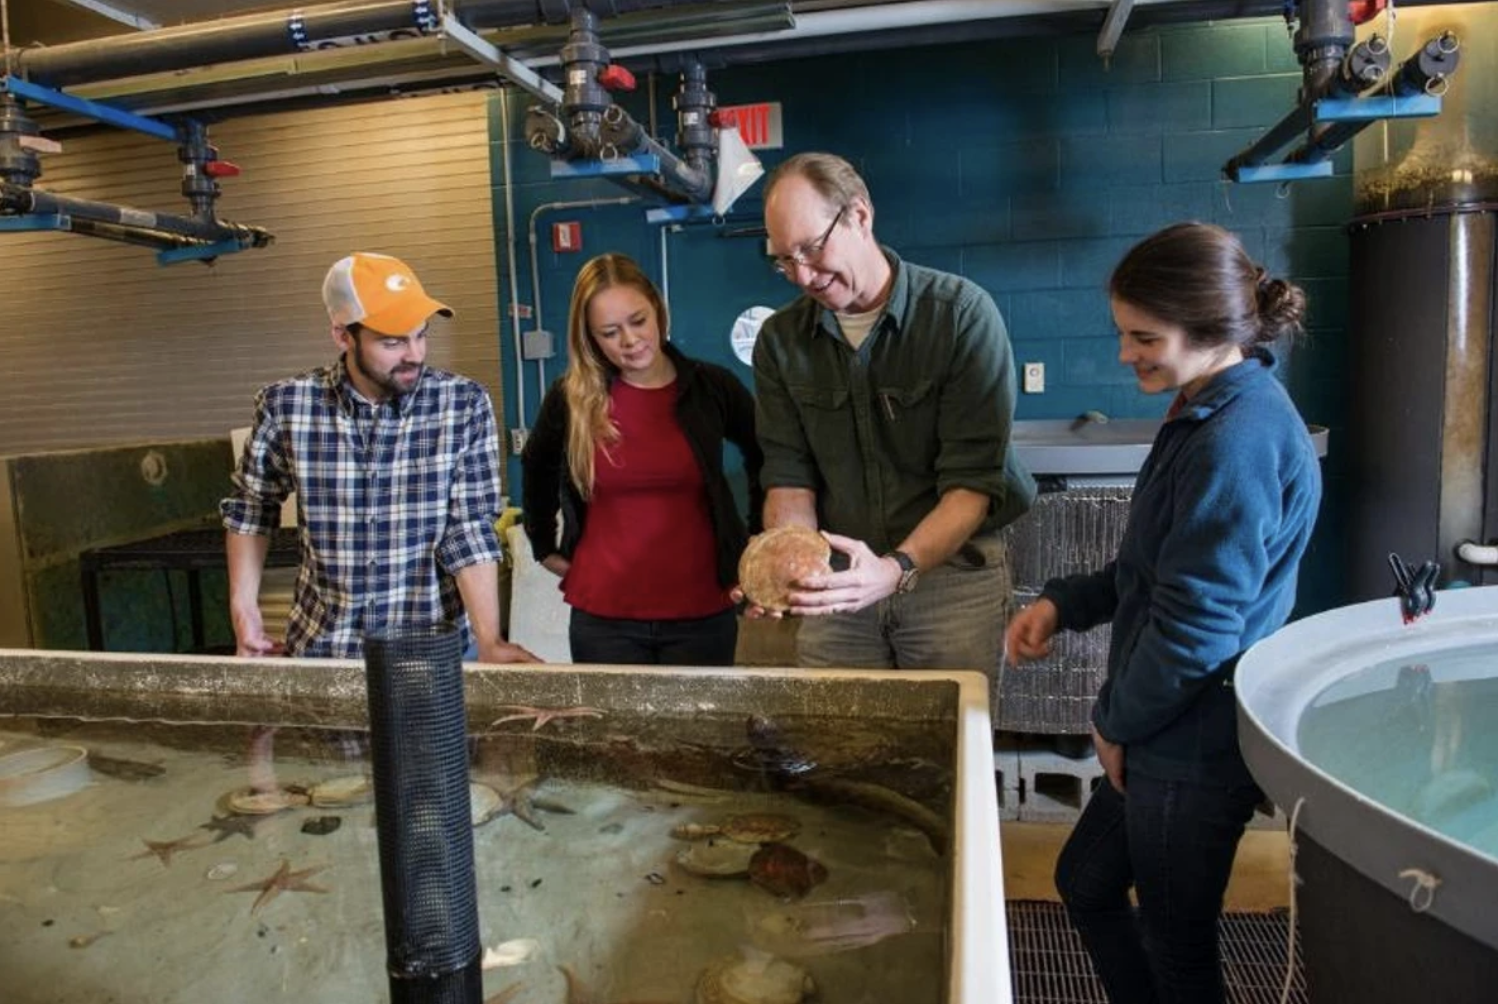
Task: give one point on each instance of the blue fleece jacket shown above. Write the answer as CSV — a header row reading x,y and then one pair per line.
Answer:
x,y
1221,514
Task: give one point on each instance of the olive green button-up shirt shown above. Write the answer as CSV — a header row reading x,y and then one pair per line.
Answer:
x,y
926,404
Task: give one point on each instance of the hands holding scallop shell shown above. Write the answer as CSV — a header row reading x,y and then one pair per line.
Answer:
x,y
787,570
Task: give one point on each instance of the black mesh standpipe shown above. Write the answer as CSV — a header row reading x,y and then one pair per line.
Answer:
x,y
414,677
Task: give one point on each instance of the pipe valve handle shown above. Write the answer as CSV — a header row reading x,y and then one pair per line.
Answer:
x,y
616,78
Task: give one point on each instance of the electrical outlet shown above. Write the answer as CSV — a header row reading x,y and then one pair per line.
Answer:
x,y
517,440
1034,378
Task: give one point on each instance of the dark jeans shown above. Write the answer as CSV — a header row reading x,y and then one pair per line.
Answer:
x,y
702,641
1173,842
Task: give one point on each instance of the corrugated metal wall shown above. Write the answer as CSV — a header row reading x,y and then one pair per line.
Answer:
x,y
99,344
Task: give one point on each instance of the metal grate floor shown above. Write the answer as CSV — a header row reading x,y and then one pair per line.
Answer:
x,y
1050,966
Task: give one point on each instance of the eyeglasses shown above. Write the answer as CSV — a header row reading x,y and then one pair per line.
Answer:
x,y
809,253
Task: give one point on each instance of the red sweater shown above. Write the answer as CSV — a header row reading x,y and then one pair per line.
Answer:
x,y
647,551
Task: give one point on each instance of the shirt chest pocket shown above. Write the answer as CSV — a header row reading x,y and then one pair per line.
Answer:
x,y
907,416
826,419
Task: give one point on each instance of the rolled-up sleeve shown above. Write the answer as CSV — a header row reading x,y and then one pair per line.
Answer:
x,y
473,498
976,412
788,458
262,478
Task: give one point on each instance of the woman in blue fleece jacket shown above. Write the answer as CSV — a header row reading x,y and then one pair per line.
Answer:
x,y
1222,510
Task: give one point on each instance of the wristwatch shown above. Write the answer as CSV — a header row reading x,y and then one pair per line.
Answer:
x,y
909,574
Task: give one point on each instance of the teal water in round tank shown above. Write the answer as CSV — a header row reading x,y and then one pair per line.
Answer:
x,y
1419,736
1379,740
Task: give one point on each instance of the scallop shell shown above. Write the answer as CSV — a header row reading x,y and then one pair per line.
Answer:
x,y
717,858
483,802
774,559
249,802
765,980
340,791
760,827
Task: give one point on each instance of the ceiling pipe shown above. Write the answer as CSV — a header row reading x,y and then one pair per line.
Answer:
x,y
122,223
279,77
274,33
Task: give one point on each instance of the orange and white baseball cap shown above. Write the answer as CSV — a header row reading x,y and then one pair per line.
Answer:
x,y
379,292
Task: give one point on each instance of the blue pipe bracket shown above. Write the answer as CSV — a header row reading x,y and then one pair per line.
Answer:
x,y
200,252
644,163
680,214
107,114
1284,172
36,221
1378,107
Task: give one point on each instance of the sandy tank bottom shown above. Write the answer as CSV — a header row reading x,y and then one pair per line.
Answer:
x,y
116,893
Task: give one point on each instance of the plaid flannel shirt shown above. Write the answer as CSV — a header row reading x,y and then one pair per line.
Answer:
x,y
393,499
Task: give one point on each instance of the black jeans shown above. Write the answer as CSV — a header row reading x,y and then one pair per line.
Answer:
x,y
702,641
1174,843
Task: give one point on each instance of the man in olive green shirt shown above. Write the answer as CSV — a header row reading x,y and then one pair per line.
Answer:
x,y
885,405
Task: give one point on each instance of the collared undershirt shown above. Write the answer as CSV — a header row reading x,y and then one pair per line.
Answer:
x,y
856,327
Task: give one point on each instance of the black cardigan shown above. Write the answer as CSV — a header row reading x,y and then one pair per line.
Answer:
x,y
711,405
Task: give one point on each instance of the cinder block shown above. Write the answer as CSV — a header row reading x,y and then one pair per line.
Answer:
x,y
1055,788
1006,779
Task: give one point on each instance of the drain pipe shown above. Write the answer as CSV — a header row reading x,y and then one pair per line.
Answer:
x,y
622,200
1322,41
589,125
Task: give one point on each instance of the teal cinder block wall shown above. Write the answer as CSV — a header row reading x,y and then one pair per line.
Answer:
x,y
1023,164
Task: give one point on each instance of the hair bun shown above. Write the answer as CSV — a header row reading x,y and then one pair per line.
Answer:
x,y
1282,307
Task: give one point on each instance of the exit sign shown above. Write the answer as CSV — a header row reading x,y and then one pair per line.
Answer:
x,y
759,124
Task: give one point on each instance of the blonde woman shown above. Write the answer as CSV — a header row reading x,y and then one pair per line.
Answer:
x,y
628,450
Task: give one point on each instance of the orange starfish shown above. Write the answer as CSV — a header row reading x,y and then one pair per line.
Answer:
x,y
283,880
164,849
542,715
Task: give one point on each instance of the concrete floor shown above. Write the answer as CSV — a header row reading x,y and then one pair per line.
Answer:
x,y
1260,874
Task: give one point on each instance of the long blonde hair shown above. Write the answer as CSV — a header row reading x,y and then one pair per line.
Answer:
x,y
589,373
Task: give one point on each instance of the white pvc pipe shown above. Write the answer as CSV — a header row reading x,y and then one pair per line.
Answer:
x,y
665,272
1474,553
504,119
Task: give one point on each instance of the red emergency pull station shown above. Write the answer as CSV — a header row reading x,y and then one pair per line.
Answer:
x,y
221,169
616,78
566,237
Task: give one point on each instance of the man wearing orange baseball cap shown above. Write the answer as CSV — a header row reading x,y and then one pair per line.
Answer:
x,y
395,469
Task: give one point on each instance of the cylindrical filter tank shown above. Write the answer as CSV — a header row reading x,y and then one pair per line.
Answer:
x,y
1421,357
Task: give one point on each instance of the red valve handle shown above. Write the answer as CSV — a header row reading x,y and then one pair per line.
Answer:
x,y
616,78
